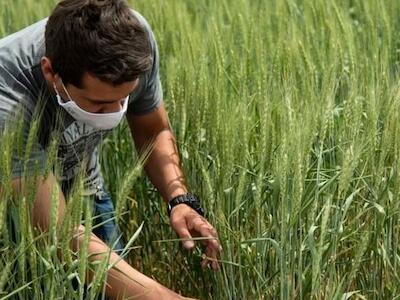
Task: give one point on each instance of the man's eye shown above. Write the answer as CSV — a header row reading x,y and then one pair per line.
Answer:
x,y
95,103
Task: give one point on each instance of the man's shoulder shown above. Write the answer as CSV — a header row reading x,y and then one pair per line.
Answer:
x,y
24,32
23,49
25,46
20,54
142,20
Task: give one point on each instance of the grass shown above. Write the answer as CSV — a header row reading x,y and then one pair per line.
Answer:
x,y
287,120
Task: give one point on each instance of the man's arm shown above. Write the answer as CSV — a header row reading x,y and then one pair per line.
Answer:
x,y
122,280
164,171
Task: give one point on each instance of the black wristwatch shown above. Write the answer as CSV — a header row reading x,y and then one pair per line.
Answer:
x,y
188,199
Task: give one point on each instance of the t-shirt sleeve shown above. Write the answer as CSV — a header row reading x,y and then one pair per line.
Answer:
x,y
149,94
18,139
18,98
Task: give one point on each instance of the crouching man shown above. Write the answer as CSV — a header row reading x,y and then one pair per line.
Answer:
x,y
95,62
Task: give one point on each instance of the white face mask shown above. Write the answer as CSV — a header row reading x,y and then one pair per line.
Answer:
x,y
103,121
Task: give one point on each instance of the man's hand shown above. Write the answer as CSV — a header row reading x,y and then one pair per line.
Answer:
x,y
187,223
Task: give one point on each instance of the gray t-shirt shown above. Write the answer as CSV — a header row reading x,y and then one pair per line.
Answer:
x,y
22,85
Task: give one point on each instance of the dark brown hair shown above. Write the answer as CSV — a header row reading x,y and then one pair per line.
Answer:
x,y
102,37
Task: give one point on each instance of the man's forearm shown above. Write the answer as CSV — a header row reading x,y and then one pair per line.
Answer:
x,y
163,166
122,280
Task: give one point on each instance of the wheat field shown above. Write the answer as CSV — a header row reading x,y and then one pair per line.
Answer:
x,y
286,114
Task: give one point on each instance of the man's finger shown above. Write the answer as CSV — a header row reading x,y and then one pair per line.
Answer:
x,y
201,225
210,258
215,263
204,229
182,231
204,262
213,253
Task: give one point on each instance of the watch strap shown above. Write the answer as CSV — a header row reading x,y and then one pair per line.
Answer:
x,y
189,199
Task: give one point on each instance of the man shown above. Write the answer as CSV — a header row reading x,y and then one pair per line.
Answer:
x,y
94,62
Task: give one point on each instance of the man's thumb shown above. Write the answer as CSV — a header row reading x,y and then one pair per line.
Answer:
x,y
188,244
181,228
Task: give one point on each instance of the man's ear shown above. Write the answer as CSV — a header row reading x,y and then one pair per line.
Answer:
x,y
47,70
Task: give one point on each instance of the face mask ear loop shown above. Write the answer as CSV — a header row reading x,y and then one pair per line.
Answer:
x,y
55,88
65,90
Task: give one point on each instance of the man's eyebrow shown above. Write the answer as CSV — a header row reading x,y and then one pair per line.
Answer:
x,y
101,101
106,101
